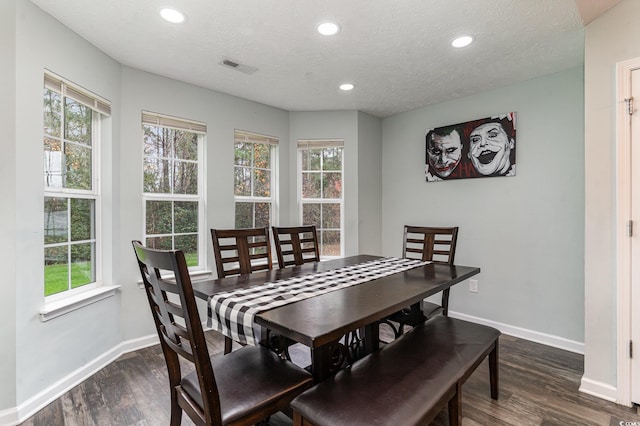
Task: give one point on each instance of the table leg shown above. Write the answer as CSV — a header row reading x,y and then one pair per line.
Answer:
x,y
327,360
371,337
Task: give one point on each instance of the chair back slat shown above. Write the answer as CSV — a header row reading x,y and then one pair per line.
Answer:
x,y
186,341
296,245
241,251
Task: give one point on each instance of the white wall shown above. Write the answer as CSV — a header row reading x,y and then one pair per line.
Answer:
x,y
223,114
8,206
525,232
369,184
611,38
47,352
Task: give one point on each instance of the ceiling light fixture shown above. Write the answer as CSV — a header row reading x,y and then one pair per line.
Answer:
x,y
172,15
346,86
462,41
328,28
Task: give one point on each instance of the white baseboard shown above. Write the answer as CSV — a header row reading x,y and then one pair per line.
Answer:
x,y
46,396
599,389
534,336
9,417
29,407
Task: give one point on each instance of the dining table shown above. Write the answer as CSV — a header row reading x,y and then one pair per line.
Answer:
x,y
322,321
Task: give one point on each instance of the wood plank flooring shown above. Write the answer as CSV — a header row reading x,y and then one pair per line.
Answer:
x,y
538,386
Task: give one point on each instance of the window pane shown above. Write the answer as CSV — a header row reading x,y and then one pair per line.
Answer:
x,y
311,185
155,142
331,243
78,166
263,215
186,217
244,215
311,214
158,217
52,163
242,154
262,183
77,123
189,245
331,216
332,159
311,159
160,243
185,178
56,223
157,176
242,184
82,219
262,156
52,113
332,185
186,145
56,270
82,265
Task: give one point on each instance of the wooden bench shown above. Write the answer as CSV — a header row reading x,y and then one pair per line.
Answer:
x,y
407,382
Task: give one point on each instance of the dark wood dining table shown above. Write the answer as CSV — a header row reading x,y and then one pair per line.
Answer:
x,y
320,322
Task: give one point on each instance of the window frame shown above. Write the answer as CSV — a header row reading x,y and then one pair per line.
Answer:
x,y
246,137
321,144
100,109
200,129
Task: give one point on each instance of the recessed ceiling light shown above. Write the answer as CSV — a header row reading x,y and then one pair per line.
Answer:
x,y
346,86
462,41
328,28
172,15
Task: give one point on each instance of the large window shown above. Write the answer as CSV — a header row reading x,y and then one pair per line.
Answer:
x,y
172,185
253,183
71,193
321,192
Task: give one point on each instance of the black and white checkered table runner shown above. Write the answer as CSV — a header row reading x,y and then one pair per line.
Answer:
x,y
232,313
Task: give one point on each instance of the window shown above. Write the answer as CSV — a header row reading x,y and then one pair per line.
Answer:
x,y
172,185
253,182
71,136
321,192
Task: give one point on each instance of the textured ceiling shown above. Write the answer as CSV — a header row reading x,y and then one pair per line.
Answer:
x,y
397,53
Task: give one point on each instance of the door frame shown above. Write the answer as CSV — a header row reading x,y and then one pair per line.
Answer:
x,y
623,207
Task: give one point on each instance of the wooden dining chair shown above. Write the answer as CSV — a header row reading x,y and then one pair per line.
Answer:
x,y
241,388
437,245
296,245
241,251
238,252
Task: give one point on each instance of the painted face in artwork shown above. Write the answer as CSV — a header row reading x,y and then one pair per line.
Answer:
x,y
444,153
489,148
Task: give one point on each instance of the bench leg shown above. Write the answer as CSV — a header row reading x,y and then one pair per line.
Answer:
x,y
298,420
493,371
455,406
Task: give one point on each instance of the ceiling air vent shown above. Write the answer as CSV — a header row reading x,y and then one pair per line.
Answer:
x,y
247,69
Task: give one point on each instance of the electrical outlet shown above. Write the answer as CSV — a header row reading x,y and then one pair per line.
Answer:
x,y
473,286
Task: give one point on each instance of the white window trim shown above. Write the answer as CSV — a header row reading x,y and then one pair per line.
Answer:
x,y
273,142
306,144
161,120
101,108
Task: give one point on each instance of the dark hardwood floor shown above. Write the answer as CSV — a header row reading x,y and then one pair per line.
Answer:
x,y
538,386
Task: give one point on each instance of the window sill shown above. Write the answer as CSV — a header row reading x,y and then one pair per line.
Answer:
x,y
53,310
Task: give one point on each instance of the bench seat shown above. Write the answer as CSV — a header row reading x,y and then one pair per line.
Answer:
x,y
407,382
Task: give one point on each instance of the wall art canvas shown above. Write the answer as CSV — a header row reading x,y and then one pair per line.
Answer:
x,y
480,148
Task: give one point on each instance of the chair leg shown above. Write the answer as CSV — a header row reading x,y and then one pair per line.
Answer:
x,y
228,344
176,411
455,407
